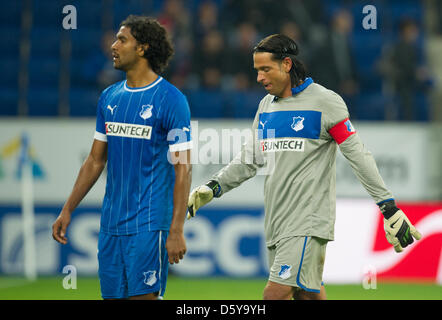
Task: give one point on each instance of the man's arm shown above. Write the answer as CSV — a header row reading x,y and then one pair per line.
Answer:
x,y
176,244
88,175
399,231
365,168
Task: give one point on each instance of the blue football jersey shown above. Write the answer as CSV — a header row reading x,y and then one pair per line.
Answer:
x,y
141,126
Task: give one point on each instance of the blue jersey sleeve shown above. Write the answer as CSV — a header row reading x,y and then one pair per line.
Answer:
x,y
176,121
100,128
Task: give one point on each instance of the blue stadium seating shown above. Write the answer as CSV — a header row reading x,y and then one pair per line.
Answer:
x,y
44,71
206,104
8,101
10,41
370,106
43,101
83,102
84,42
48,13
9,71
89,13
122,9
245,104
45,42
10,15
47,33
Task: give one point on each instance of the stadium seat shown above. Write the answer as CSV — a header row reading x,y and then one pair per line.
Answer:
x,y
83,102
45,42
11,41
206,104
44,72
84,42
245,104
421,107
89,14
12,16
122,9
370,106
10,68
8,101
43,101
48,13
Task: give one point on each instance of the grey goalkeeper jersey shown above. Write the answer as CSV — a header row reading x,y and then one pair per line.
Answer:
x,y
295,143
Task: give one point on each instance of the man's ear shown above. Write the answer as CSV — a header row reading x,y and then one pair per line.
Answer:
x,y
141,48
287,64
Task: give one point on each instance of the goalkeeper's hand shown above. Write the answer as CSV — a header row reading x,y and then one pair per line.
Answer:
x,y
202,195
398,229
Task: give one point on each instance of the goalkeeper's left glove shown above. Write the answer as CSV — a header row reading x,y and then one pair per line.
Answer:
x,y
398,229
202,195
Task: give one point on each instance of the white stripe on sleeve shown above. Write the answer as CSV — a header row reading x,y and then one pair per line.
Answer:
x,y
100,136
181,146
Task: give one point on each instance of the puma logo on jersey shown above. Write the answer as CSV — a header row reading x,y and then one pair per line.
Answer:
x,y
146,111
262,124
111,109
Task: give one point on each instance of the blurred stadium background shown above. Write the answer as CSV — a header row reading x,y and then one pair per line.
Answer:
x,y
389,76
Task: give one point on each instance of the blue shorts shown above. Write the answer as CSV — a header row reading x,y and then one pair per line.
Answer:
x,y
132,265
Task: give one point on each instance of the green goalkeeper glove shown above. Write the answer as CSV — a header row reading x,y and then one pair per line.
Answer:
x,y
398,229
202,195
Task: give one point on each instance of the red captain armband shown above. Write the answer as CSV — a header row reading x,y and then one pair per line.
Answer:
x,y
341,131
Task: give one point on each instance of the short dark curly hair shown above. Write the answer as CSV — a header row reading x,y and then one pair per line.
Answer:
x,y
147,30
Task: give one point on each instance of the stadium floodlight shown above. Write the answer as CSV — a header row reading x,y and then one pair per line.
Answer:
x,y
27,202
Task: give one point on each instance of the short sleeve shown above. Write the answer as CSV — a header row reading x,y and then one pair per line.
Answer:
x,y
176,121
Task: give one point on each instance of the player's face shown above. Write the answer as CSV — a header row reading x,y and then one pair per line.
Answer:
x,y
273,75
125,50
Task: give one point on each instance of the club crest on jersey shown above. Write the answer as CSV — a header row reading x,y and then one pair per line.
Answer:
x,y
146,111
298,123
349,126
150,277
285,273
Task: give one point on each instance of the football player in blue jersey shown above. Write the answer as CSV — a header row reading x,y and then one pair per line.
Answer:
x,y
143,135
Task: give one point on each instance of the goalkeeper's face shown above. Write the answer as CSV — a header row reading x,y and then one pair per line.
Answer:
x,y
274,75
126,52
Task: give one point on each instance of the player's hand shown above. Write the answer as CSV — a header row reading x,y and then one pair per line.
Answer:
x,y
59,227
202,195
175,246
398,229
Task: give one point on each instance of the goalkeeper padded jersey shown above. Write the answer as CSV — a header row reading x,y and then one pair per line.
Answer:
x,y
296,141
141,126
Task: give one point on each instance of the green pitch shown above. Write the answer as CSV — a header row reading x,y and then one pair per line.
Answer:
x,y
51,288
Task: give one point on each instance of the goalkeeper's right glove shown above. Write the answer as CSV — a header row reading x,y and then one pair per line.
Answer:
x,y
202,195
398,229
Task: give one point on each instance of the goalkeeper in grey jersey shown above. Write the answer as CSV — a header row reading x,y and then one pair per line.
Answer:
x,y
299,126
